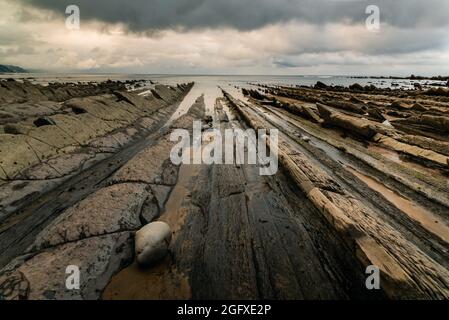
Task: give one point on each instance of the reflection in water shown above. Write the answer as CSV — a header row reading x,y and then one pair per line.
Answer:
x,y
208,87
185,105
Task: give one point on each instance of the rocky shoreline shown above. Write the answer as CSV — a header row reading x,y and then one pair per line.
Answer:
x,y
53,145
363,181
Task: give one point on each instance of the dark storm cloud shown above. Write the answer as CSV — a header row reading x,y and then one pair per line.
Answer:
x,y
183,36
147,15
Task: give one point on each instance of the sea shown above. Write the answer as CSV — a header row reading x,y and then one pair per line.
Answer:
x,y
45,78
211,86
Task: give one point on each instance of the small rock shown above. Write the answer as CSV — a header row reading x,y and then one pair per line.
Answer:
x,y
397,105
152,243
320,85
356,100
419,107
356,87
387,123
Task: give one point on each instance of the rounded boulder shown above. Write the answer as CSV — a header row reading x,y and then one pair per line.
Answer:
x,y
152,243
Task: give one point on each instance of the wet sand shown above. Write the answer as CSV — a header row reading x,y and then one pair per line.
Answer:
x,y
159,282
427,219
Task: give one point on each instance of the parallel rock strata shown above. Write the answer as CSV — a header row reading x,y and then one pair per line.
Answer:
x,y
362,182
407,242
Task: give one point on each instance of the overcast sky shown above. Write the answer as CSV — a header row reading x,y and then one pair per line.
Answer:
x,y
228,36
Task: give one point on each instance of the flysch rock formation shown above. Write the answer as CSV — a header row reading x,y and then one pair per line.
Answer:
x,y
383,188
72,148
362,181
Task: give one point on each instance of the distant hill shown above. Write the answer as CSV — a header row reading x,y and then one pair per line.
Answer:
x,y
11,69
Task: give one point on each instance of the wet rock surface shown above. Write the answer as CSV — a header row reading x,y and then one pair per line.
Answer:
x,y
108,210
97,258
362,181
59,206
72,141
379,210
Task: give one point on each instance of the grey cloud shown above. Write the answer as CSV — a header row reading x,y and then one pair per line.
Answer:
x,y
347,60
17,36
330,33
390,41
147,15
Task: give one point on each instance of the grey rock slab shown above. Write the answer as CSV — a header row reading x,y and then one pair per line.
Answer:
x,y
152,165
110,209
58,167
97,259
